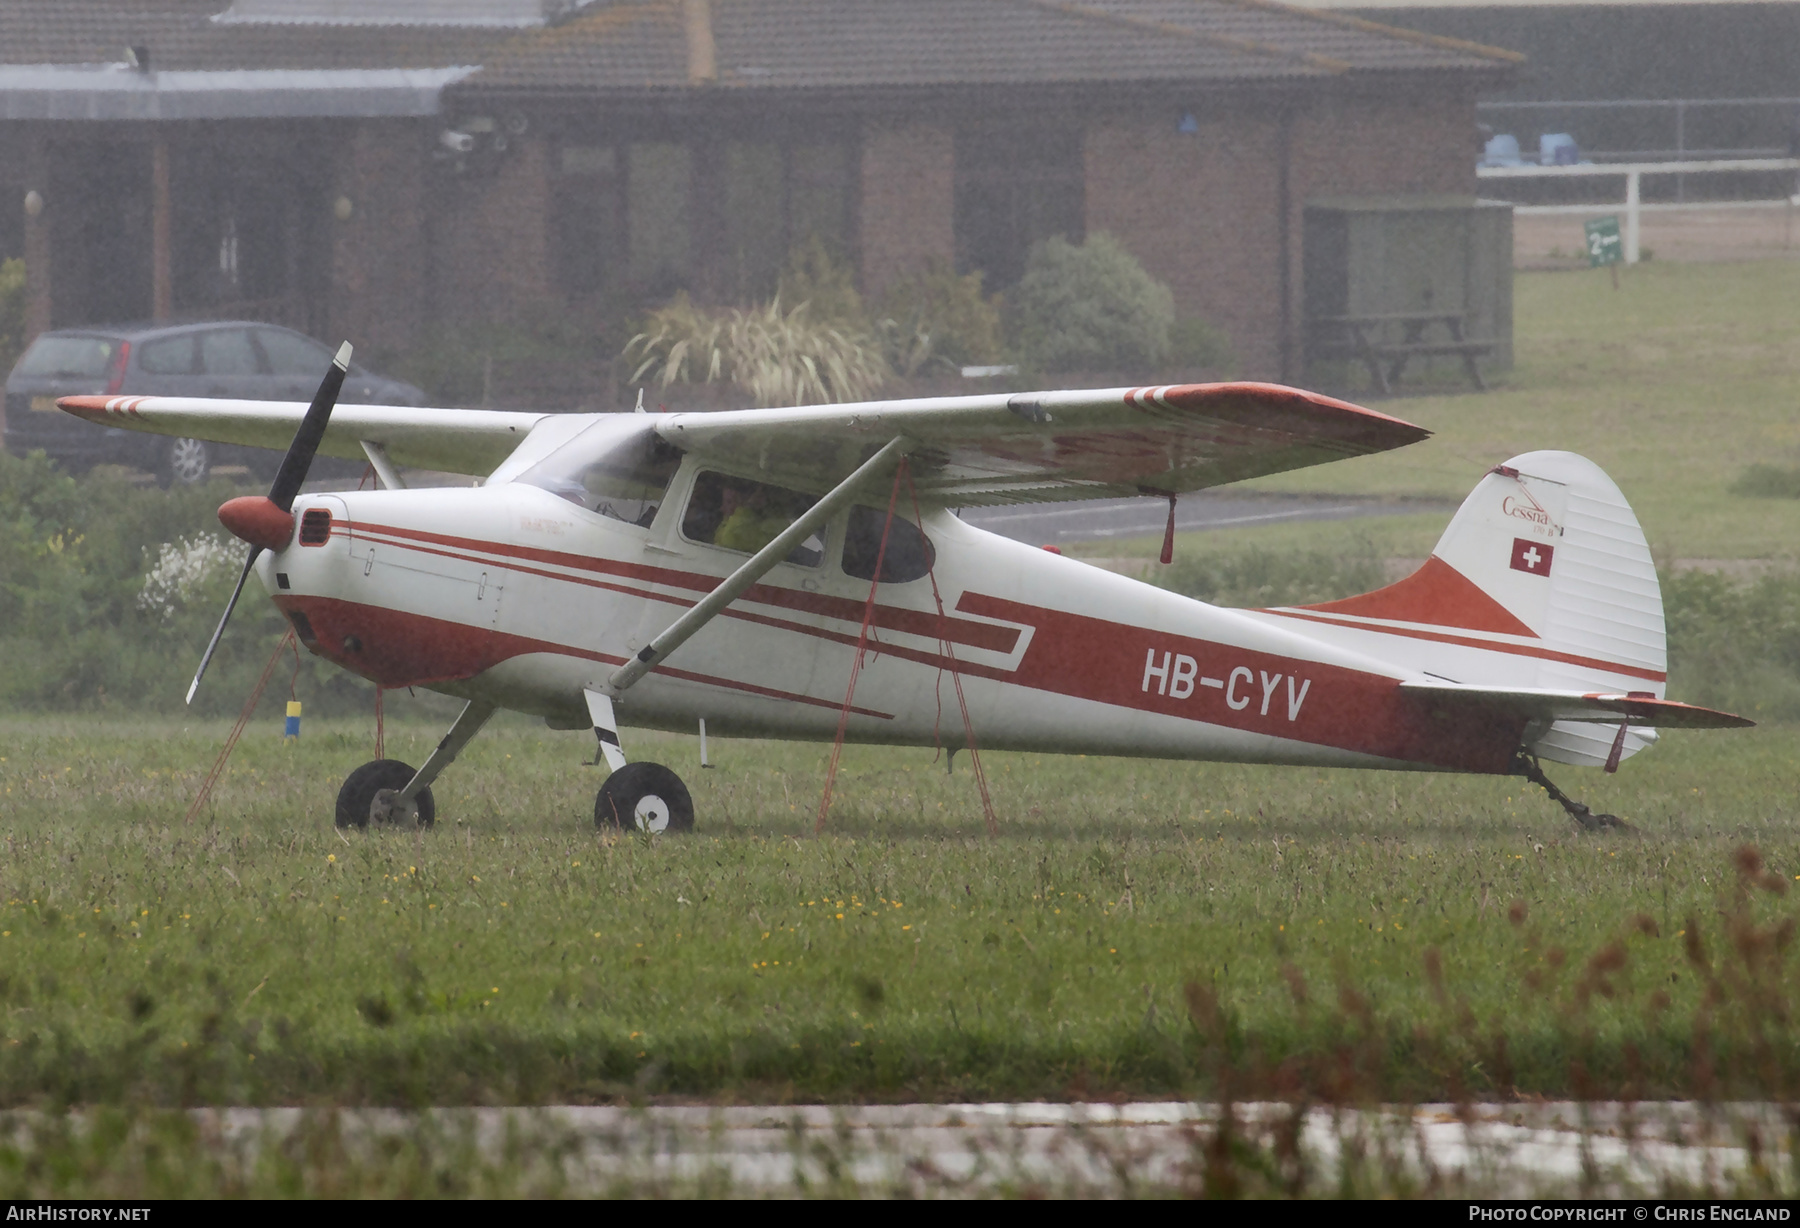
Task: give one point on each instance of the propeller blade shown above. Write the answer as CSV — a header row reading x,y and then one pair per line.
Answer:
x,y
288,480
300,453
213,645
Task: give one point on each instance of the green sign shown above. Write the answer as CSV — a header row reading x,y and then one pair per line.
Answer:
x,y
1603,243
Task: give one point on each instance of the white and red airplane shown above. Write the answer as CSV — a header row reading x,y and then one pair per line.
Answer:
x,y
725,567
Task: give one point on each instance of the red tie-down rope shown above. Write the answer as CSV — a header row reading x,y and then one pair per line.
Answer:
x,y
856,663
949,654
380,729
237,730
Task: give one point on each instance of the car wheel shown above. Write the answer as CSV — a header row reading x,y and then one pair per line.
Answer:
x,y
184,462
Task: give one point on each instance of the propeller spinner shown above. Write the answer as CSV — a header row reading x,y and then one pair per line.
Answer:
x,y
267,521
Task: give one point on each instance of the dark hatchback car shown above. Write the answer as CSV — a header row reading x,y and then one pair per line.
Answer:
x,y
238,359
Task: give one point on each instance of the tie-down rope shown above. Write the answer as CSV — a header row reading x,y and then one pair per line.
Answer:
x,y
948,654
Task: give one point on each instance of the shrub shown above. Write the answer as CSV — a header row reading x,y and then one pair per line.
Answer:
x,y
1768,482
12,312
108,593
1258,578
476,365
936,319
778,357
1735,644
824,284
1090,308
1195,344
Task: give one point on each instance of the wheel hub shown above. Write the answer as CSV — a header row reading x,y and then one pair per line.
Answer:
x,y
387,807
187,461
651,814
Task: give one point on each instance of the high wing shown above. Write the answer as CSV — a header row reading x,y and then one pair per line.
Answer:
x,y
472,441
1049,446
1551,705
966,451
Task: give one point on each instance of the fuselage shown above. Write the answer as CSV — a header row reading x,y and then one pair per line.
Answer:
x,y
509,594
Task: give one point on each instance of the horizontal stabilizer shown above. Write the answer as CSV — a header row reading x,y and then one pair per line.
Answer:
x,y
1593,706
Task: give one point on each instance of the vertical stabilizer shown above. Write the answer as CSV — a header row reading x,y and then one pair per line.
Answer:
x,y
1543,579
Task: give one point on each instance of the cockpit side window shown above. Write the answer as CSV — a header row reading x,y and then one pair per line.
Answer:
x,y
739,514
622,477
909,554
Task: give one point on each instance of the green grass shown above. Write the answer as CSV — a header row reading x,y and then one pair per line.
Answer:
x,y
1675,385
1137,928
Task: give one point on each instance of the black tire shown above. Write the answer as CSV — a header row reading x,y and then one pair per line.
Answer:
x,y
184,462
360,787
644,797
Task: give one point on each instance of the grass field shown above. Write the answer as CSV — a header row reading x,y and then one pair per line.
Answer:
x,y
515,955
1675,385
1137,929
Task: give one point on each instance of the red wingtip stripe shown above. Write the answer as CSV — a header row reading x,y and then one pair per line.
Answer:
x,y
83,407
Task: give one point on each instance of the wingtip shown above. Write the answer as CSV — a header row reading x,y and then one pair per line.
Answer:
x,y
82,407
342,361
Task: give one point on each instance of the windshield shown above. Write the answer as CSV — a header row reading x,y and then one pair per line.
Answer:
x,y
68,357
617,467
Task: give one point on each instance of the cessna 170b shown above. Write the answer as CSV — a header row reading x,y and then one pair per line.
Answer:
x,y
733,567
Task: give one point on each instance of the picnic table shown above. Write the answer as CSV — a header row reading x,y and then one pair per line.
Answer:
x,y
1369,339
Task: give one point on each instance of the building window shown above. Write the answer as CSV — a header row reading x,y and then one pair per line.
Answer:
x,y
585,218
1016,185
649,218
658,209
776,197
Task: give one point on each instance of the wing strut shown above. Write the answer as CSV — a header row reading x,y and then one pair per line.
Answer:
x,y
759,565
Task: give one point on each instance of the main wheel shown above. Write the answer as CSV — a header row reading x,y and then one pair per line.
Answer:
x,y
185,462
644,797
356,800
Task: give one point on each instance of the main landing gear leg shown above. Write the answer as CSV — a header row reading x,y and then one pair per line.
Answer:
x,y
388,791
1527,766
644,797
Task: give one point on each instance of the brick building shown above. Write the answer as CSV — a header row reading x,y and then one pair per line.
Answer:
x,y
373,169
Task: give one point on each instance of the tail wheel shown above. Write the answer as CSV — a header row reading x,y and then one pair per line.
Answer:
x,y
356,801
185,462
644,797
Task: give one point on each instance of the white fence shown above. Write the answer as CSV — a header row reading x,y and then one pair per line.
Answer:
x,y
1633,173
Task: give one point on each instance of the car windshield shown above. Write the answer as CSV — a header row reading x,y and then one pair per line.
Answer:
x,y
617,467
68,357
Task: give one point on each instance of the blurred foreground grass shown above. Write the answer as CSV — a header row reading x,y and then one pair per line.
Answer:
x,y
1675,384
1137,929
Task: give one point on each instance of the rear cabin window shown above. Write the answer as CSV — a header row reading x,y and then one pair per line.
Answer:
x,y
621,476
742,515
227,352
69,357
290,354
169,356
909,554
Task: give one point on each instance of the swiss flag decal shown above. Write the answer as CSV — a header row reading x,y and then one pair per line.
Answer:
x,y
1532,556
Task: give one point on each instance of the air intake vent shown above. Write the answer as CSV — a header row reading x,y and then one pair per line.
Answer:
x,y
302,627
315,527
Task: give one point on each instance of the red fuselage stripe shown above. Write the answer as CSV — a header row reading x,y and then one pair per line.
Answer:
x,y
890,618
1517,650
400,649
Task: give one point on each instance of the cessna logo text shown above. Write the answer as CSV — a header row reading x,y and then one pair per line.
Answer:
x,y
1177,674
1525,509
